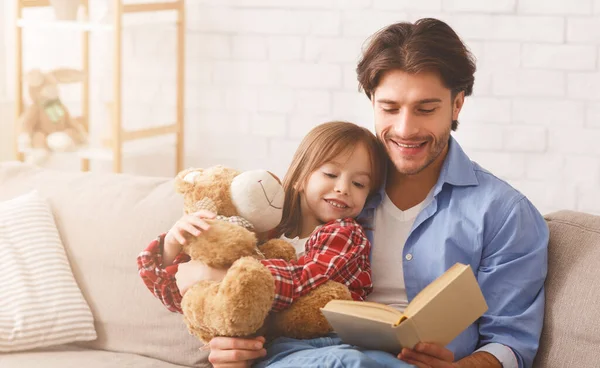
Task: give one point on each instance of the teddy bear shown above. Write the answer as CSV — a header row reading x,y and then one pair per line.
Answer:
x,y
248,206
46,125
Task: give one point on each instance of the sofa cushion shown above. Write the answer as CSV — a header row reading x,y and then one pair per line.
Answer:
x,y
105,221
571,333
77,357
40,302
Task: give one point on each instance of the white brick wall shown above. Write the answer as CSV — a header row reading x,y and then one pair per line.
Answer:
x,y
261,73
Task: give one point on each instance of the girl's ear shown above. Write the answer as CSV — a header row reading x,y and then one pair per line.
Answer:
x,y
299,186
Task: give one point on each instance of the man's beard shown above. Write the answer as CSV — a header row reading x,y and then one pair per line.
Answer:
x,y
437,147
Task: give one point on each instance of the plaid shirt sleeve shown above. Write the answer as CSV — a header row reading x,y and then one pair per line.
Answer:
x,y
161,281
337,251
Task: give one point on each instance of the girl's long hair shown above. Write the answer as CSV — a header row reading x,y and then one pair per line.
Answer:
x,y
322,144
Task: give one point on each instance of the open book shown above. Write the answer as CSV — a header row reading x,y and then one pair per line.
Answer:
x,y
439,313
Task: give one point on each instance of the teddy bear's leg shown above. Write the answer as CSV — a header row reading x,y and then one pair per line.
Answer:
x,y
203,334
60,142
38,140
194,306
278,249
236,306
303,319
244,300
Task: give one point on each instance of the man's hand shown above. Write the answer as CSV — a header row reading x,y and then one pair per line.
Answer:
x,y
234,352
189,273
426,355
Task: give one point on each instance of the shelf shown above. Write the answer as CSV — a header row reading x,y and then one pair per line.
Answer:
x,y
65,24
129,149
75,25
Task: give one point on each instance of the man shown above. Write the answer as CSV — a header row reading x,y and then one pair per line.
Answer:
x,y
438,207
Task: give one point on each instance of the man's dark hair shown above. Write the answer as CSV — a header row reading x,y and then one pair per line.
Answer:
x,y
428,45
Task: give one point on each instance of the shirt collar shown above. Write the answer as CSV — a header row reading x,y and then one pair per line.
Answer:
x,y
457,170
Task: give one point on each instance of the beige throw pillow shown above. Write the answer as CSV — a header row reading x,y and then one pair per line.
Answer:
x,y
40,302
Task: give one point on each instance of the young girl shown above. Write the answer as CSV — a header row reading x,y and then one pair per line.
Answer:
x,y
335,168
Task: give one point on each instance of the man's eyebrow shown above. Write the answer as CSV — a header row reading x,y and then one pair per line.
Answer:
x,y
429,100
420,102
386,101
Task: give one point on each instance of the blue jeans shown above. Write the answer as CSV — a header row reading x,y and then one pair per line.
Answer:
x,y
323,352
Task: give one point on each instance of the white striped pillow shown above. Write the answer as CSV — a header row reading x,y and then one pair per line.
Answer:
x,y
40,302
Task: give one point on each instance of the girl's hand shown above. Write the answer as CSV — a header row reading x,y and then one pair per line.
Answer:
x,y
192,224
189,273
235,352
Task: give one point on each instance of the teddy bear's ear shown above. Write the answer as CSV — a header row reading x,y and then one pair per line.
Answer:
x,y
186,179
67,75
275,177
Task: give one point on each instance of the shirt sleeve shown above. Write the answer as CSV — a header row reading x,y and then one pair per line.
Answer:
x,y
511,275
503,353
158,279
338,251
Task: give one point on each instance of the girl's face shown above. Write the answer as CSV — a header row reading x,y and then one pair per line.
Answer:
x,y
337,189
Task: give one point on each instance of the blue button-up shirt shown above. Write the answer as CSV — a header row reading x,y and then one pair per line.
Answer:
x,y
477,219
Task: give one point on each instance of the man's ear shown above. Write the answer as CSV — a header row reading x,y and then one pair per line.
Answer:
x,y
457,104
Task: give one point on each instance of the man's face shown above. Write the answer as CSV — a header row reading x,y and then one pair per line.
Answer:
x,y
413,118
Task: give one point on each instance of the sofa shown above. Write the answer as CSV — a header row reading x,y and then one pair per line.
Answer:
x,y
105,220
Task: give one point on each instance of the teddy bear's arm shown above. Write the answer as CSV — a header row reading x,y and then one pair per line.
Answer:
x,y
339,251
278,249
77,129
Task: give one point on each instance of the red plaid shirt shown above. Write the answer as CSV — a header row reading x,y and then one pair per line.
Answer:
x,y
337,251
158,279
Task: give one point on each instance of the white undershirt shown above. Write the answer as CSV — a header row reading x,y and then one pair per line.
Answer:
x,y
392,227
297,243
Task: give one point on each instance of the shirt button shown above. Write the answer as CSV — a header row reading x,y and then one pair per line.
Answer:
x,y
408,257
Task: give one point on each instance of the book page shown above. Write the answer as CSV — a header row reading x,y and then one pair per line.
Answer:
x,y
438,314
371,334
368,310
433,289
451,309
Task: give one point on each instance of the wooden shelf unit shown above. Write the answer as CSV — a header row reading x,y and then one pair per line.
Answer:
x,y
119,136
